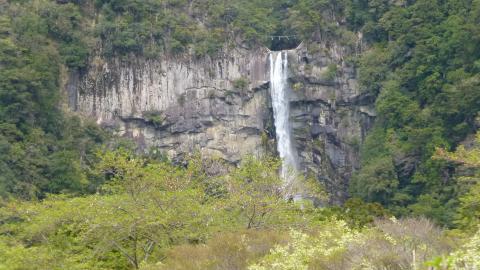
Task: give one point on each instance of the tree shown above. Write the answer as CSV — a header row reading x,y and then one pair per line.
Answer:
x,y
144,207
151,205
254,192
469,210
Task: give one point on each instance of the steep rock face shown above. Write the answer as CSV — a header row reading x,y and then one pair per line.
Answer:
x,y
222,107
216,106
330,116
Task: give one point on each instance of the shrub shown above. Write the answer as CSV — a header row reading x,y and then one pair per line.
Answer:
x,y
240,84
317,250
224,251
154,117
391,244
297,86
331,72
466,257
398,244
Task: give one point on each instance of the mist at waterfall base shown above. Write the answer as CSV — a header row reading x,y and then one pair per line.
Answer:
x,y
281,113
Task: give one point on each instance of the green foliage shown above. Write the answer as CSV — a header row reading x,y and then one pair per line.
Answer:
x,y
154,117
240,84
331,72
468,216
144,207
422,68
304,249
198,28
297,86
66,24
254,189
393,244
422,71
377,181
308,19
222,251
359,214
43,150
373,69
465,257
173,26
151,214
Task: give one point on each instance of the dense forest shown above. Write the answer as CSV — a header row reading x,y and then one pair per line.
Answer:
x,y
74,196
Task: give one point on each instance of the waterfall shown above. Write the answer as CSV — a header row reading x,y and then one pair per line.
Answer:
x,y
281,113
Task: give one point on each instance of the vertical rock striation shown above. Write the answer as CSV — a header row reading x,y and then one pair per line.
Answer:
x,y
221,106
329,115
180,105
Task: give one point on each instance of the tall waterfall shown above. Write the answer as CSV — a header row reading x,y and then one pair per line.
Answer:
x,y
281,113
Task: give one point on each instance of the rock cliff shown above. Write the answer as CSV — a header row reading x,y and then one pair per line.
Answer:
x,y
221,106
330,116
180,105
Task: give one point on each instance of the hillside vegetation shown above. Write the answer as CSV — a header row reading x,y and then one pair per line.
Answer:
x,y
75,197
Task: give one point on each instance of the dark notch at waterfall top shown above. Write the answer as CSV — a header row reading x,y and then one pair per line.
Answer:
x,y
283,42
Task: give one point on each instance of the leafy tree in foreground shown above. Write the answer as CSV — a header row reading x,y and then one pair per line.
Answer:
x,y
469,210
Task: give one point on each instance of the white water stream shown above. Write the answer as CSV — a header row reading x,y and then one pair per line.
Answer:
x,y
281,114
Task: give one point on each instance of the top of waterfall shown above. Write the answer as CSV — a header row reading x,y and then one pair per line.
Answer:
x,y
280,37
292,49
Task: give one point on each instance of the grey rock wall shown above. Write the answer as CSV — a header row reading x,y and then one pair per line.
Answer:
x,y
222,107
330,116
179,105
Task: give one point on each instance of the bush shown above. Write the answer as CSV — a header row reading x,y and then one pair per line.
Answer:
x,y
465,257
331,72
156,118
240,84
322,248
391,244
223,251
399,244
